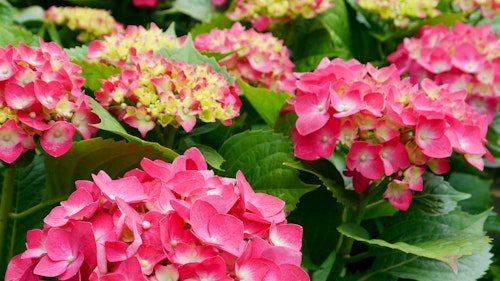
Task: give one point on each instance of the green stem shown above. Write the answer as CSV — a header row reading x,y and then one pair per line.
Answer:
x,y
36,208
169,136
5,207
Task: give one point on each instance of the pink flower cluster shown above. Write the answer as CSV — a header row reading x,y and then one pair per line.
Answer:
x,y
41,96
144,3
168,221
150,90
115,48
91,23
488,8
258,58
462,57
391,127
264,14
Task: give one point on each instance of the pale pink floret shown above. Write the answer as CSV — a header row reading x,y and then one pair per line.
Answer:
x,y
58,138
11,137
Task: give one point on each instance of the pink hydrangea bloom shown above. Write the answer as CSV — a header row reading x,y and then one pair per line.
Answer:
x,y
41,95
258,58
488,8
144,3
391,127
91,23
462,58
166,221
264,14
115,48
151,90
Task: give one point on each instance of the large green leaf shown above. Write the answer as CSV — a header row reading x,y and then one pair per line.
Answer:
x,y
197,9
260,156
410,267
90,156
93,72
478,189
336,22
110,124
7,11
443,238
220,21
319,214
329,177
13,35
267,103
438,196
77,53
188,53
30,187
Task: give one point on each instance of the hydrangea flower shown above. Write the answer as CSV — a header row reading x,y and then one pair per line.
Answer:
x,y
390,127
462,58
151,89
115,48
263,14
144,3
400,12
488,8
258,58
166,221
90,22
41,96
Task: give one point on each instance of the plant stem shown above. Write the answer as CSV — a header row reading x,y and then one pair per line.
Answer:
x,y
5,207
36,208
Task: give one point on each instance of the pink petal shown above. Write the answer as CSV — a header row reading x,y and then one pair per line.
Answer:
x,y
129,189
10,141
430,137
18,97
319,144
286,235
312,111
226,231
58,139
49,268
20,269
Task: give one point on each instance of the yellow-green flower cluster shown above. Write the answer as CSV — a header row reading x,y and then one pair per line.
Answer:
x,y
115,48
152,90
91,23
400,12
264,13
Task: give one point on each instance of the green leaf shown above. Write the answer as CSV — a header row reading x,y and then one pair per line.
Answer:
x,y
94,72
336,22
443,238
7,12
13,35
197,9
221,21
188,53
260,156
478,189
409,267
267,103
30,187
213,158
438,197
330,177
77,53
29,14
319,214
110,124
90,156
